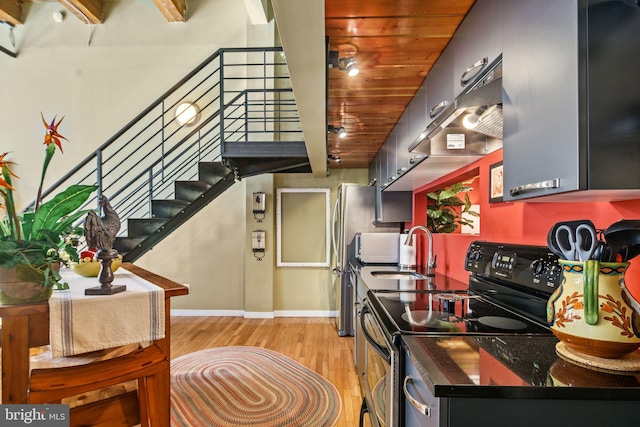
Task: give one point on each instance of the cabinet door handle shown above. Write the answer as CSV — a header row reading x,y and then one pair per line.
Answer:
x,y
472,71
422,407
438,109
526,188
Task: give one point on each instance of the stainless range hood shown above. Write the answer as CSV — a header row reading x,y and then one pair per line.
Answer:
x,y
482,105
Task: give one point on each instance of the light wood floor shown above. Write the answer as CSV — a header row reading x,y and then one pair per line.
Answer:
x,y
313,342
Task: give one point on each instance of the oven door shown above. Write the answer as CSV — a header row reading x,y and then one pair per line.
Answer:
x,y
379,375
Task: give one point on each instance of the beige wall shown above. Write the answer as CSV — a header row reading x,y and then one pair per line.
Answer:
x,y
217,261
99,77
304,288
99,86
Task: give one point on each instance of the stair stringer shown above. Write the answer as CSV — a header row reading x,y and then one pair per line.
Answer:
x,y
132,248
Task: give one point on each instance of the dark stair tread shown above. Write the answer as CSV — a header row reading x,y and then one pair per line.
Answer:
x,y
167,208
125,244
142,227
190,190
212,172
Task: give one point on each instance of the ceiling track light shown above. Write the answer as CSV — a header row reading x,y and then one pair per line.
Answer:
x,y
338,130
347,64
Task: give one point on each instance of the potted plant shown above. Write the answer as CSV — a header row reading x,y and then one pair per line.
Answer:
x,y
444,214
32,243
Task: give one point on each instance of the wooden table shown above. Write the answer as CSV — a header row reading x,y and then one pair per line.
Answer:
x,y
27,326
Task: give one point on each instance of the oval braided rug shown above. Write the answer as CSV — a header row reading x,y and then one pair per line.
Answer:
x,y
249,386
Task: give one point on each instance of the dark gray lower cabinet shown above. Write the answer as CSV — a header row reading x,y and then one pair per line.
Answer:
x,y
418,399
508,411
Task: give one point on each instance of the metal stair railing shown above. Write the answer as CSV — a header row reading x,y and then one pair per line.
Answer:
x,y
243,95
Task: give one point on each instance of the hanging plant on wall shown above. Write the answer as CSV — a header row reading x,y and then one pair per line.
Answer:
x,y
445,209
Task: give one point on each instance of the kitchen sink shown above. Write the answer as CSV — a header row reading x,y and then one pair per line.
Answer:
x,y
398,275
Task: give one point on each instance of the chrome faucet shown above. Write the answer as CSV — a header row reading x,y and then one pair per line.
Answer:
x,y
431,259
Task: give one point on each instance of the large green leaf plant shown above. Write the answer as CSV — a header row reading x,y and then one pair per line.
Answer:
x,y
33,241
445,209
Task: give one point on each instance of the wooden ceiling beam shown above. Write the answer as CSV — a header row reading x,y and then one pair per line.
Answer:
x,y
11,11
173,10
88,11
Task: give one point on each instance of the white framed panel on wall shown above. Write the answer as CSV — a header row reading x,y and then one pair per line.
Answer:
x,y
302,222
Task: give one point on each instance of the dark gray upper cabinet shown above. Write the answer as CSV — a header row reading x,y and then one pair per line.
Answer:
x,y
418,113
478,41
383,170
439,84
390,148
571,100
374,170
402,143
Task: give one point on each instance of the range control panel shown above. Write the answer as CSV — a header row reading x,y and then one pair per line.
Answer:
x,y
529,266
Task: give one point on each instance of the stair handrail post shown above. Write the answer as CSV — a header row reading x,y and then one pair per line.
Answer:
x,y
221,58
162,137
99,176
150,181
246,116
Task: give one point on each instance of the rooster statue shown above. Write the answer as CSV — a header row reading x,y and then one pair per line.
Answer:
x,y
101,232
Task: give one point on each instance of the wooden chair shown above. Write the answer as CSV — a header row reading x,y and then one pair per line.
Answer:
x,y
51,385
25,327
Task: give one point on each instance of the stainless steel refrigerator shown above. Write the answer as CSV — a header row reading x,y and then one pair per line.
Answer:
x,y
354,212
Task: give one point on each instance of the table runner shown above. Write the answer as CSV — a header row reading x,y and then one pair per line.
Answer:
x,y
82,323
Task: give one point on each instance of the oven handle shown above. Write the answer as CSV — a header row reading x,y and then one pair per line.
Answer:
x,y
377,347
422,407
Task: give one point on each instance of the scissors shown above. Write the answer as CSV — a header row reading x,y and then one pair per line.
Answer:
x,y
576,244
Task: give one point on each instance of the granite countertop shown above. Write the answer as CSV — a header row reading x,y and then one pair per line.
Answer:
x,y
511,366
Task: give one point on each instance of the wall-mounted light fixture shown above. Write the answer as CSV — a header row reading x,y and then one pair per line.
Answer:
x,y
259,206
334,158
338,130
258,244
187,114
347,64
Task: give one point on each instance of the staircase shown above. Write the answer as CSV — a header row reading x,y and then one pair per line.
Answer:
x,y
158,173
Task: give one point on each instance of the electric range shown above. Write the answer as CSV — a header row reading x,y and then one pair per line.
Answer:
x,y
507,292
509,286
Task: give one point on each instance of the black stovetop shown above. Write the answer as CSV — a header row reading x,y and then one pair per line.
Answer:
x,y
451,312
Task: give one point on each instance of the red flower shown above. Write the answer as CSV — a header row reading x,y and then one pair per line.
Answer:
x,y
4,165
52,134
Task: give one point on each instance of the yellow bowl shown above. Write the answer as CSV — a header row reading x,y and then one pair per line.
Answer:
x,y
92,268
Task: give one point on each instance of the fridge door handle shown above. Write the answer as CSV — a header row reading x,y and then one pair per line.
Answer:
x,y
333,227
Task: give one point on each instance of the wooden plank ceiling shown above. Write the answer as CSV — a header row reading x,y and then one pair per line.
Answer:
x,y
89,11
395,43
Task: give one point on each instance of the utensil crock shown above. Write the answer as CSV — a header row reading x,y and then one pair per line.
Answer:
x,y
592,312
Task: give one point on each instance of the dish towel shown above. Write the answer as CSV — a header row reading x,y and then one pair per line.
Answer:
x,y
82,323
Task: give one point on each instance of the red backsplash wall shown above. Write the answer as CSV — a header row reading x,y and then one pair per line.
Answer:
x,y
513,222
